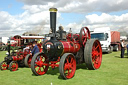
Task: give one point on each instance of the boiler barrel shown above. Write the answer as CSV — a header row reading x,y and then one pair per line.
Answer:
x,y
58,48
70,47
17,58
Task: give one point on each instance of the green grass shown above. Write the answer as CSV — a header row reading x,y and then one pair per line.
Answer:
x,y
113,71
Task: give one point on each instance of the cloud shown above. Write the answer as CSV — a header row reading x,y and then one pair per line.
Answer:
x,y
35,21
36,2
117,23
9,25
12,25
4,17
81,6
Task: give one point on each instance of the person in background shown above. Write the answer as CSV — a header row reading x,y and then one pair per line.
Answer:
x,y
35,49
122,49
26,48
127,48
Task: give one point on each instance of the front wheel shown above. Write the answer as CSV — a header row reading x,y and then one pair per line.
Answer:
x,y
39,64
3,65
67,66
93,54
13,66
109,50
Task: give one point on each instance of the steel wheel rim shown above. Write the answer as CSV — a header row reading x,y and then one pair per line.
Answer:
x,y
96,54
84,35
4,66
14,66
69,66
41,64
29,61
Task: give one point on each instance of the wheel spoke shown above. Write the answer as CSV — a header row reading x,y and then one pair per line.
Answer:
x,y
67,61
4,65
65,67
68,72
96,47
29,60
40,58
98,54
84,31
39,70
84,41
36,66
37,63
93,55
71,60
43,67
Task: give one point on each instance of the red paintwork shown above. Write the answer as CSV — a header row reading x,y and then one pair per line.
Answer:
x,y
40,47
70,47
20,55
17,58
85,35
41,65
29,60
69,67
4,66
96,55
14,66
18,39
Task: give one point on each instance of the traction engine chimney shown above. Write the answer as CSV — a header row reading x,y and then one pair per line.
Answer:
x,y
9,47
53,19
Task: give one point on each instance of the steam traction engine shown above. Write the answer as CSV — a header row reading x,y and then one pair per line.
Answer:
x,y
20,58
68,50
12,60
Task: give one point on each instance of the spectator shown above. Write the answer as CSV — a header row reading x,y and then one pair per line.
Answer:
x,y
26,48
122,49
35,49
127,48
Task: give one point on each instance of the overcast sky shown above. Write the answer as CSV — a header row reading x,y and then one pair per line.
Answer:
x,y
19,16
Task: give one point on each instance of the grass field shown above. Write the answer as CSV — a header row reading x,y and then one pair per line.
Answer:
x,y
113,71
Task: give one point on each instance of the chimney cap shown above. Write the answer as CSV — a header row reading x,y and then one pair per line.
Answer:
x,y
53,9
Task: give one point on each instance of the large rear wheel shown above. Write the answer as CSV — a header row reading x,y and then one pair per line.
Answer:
x,y
93,54
67,66
27,60
39,64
